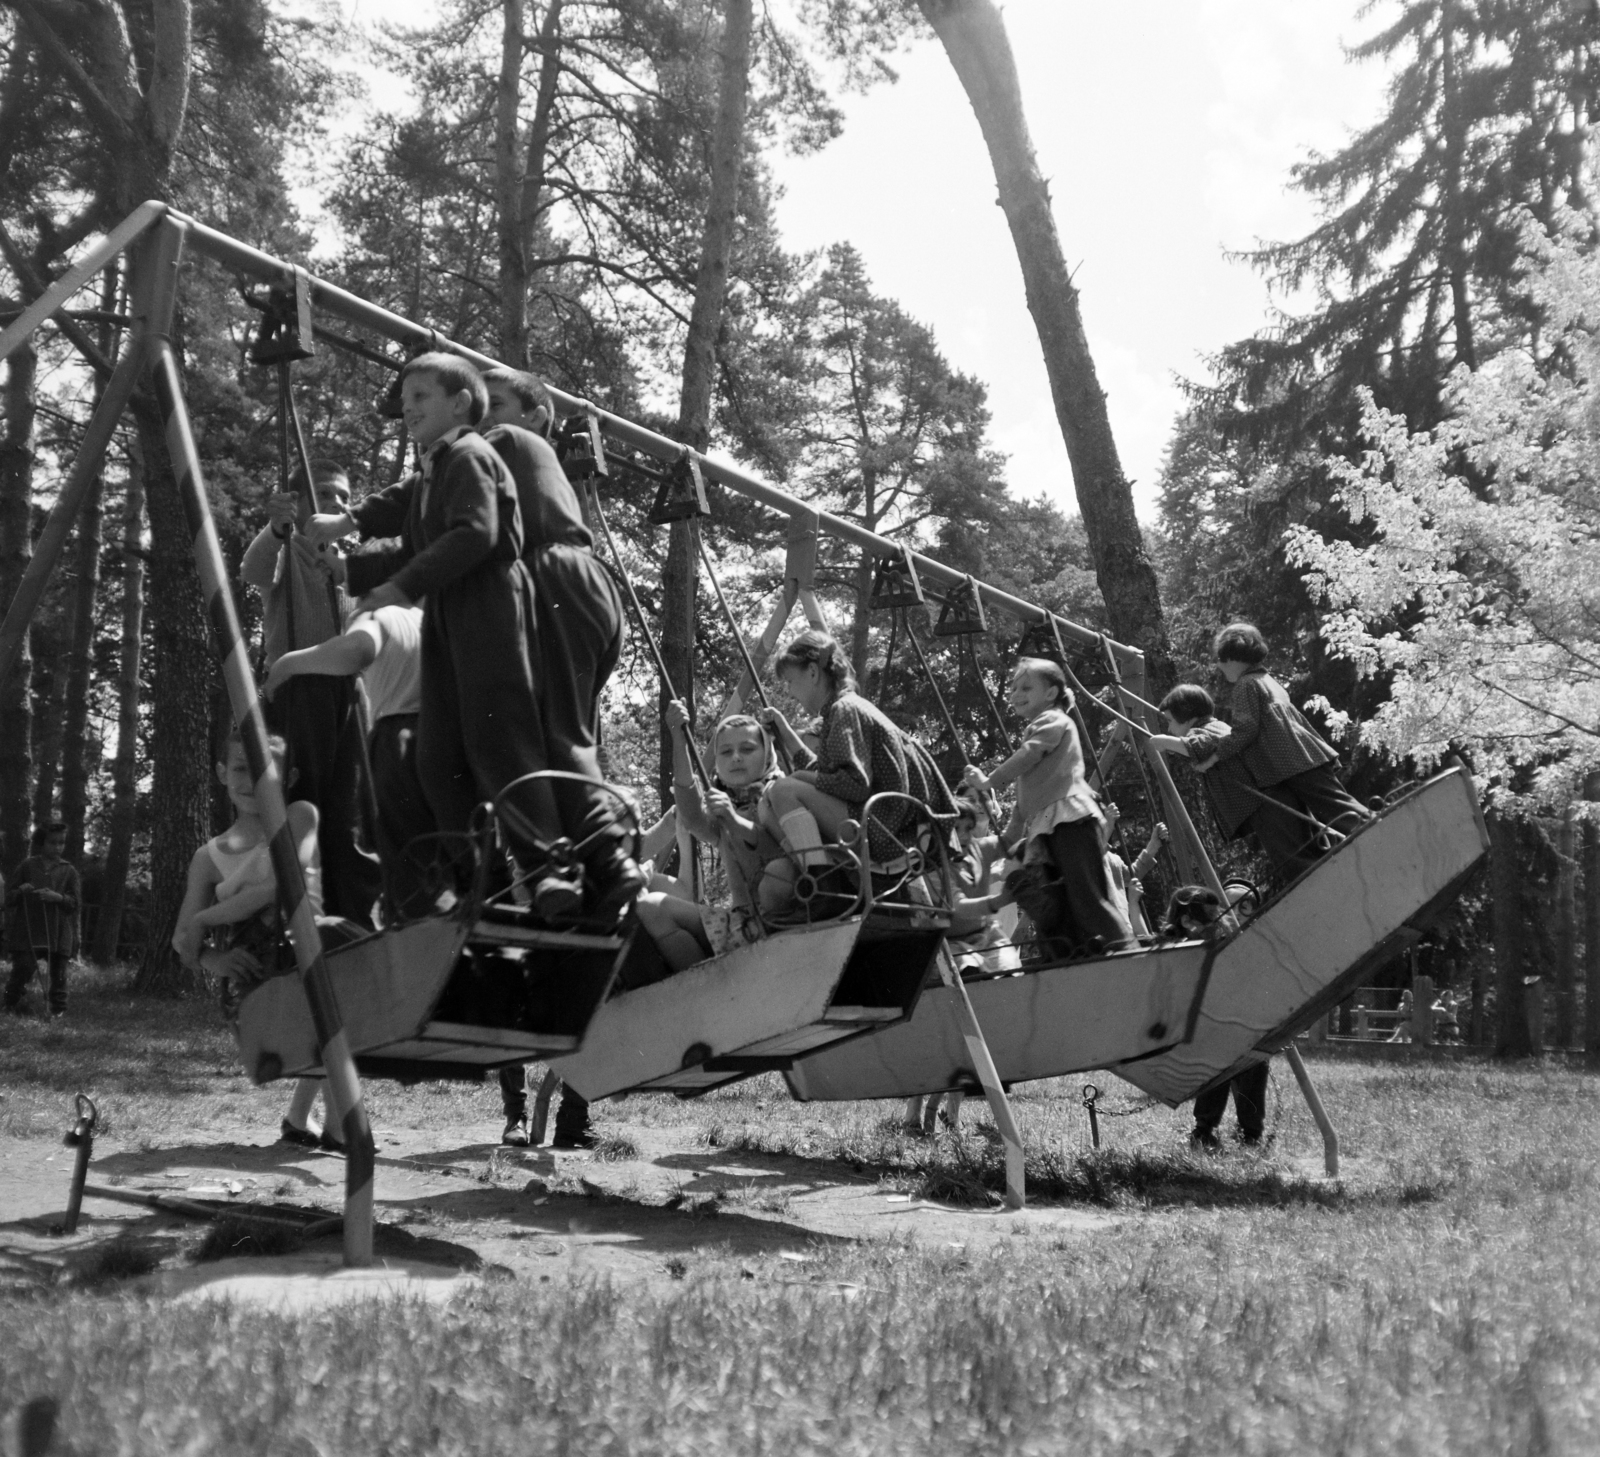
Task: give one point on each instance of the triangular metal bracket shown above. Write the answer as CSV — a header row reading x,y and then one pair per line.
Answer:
x,y
961,613
285,332
1042,640
895,584
581,447
681,496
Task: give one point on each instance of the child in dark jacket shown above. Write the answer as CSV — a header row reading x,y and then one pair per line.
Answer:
x,y
863,753
42,902
1057,817
481,725
581,626
1196,733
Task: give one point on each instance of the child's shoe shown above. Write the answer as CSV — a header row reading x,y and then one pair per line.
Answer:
x,y
558,897
299,1137
614,886
516,1133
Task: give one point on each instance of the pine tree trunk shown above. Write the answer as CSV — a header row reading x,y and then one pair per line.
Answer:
x,y
49,696
125,767
974,37
508,163
1591,919
1511,936
678,578
861,617
1566,932
79,675
16,547
182,674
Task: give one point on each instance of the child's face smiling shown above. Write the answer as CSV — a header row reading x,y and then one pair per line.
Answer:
x,y
1029,695
429,409
332,499
741,756
235,777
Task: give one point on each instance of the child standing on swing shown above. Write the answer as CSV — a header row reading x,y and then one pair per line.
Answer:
x,y
1056,816
726,816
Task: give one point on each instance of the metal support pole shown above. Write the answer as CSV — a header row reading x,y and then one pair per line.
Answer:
x,y
1330,1139
989,1077
343,1088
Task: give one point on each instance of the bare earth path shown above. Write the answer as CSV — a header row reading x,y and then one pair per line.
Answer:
x,y
472,1209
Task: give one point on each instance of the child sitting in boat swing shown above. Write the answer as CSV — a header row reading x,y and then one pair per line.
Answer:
x,y
863,754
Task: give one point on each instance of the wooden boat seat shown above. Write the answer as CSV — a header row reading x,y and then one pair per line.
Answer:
x,y
1175,1019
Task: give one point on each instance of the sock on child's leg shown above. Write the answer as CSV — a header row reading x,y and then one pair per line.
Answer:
x,y
802,835
300,1103
678,947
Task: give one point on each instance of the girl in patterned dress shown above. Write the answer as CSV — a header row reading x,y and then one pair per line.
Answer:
x,y
862,754
684,930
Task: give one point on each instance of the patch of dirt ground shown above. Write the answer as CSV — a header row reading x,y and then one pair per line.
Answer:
x,y
451,1211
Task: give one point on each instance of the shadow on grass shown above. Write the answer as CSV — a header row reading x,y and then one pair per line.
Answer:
x,y
967,1170
680,1225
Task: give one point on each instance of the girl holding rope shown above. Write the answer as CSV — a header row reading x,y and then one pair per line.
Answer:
x,y
725,816
1057,817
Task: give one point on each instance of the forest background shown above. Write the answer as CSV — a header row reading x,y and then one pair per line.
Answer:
x,y
1394,476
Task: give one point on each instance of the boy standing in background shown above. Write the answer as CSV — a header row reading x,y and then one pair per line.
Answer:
x,y
42,903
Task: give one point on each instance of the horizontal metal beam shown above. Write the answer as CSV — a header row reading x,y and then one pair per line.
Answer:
x,y
335,300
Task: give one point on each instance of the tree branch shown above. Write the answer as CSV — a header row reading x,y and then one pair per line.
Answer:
x,y
94,100
32,279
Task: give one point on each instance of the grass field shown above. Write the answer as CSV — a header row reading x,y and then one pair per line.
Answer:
x,y
1443,1298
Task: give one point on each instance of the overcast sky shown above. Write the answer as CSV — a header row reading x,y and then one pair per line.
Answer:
x,y
1167,129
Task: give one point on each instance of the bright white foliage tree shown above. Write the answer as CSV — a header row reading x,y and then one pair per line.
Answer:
x,y
1479,593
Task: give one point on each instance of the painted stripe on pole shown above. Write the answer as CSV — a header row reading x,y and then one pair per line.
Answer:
x,y
989,1077
343,1088
140,220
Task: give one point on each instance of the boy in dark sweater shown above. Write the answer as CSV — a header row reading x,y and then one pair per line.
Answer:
x,y
480,725
580,632
42,902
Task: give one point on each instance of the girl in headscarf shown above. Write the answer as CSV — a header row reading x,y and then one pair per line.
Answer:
x,y
687,931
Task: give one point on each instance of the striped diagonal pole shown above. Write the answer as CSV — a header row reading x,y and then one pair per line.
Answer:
x,y
343,1087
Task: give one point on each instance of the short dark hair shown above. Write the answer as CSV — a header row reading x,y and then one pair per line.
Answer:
x,y
323,471
1188,703
1197,902
1240,642
532,393
814,646
454,375
277,745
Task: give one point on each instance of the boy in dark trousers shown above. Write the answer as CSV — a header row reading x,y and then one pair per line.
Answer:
x,y
302,607
479,726
580,617
42,903
581,631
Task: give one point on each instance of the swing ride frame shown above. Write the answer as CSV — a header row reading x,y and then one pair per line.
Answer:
x,y
155,238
